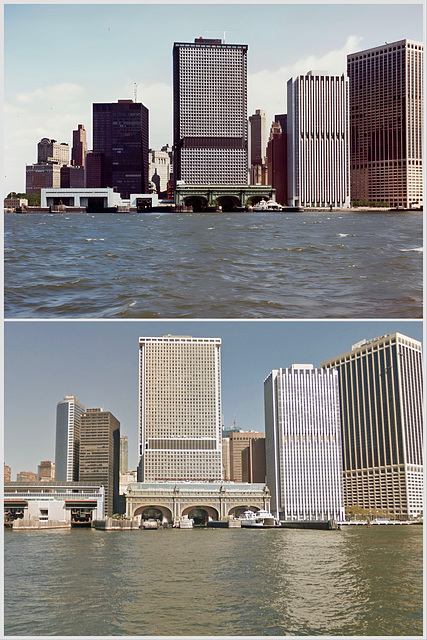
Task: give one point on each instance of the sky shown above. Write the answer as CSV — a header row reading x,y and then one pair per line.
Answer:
x,y
97,361
61,58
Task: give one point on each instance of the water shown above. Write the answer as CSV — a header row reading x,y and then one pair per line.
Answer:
x,y
241,265
357,581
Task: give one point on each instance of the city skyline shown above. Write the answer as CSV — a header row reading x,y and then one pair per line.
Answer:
x,y
71,354
49,100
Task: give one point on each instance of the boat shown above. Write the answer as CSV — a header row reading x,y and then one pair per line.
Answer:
x,y
150,523
267,205
266,518
186,523
249,519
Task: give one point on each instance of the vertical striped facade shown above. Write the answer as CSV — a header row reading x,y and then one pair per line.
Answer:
x,y
386,119
318,150
303,443
180,409
67,444
381,395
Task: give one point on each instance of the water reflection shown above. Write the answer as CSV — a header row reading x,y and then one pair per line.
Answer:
x,y
214,582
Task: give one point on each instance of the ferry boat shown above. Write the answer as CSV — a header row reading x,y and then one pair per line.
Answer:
x,y
150,523
267,205
249,519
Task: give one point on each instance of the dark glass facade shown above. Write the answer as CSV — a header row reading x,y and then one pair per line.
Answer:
x,y
120,134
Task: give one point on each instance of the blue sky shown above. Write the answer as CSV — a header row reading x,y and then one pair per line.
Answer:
x,y
60,58
98,362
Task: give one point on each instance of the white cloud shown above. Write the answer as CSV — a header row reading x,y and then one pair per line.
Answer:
x,y
267,89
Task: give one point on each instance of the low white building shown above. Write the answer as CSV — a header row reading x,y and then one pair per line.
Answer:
x,y
35,505
100,198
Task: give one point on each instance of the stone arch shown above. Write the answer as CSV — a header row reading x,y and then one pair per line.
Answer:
x,y
228,203
198,203
238,510
253,200
201,513
165,511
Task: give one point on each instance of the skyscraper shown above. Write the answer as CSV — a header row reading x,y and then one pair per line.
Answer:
x,y
381,395
277,159
120,133
303,443
46,471
123,467
318,153
258,145
68,414
79,149
210,107
386,122
179,409
99,454
240,440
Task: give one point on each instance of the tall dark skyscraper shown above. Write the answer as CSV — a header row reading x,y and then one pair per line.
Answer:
x,y
386,123
79,149
210,113
120,133
381,389
99,454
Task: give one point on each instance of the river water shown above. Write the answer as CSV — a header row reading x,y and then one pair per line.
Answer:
x,y
241,265
357,581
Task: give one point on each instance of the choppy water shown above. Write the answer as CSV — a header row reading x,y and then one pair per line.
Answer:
x,y
248,265
357,581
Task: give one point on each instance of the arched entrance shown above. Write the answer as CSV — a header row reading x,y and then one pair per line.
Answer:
x,y
196,202
156,512
201,514
228,203
240,510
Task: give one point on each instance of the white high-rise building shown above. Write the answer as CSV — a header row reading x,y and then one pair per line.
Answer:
x,y
210,113
303,444
68,414
318,149
180,409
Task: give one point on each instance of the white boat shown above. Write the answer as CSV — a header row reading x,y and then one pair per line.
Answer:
x,y
249,519
186,523
151,523
266,518
267,205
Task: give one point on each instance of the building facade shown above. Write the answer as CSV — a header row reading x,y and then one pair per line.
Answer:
x,y
253,461
120,134
386,124
42,176
124,450
160,169
67,444
179,409
303,444
7,473
210,113
381,395
317,141
239,441
46,471
258,147
201,501
79,148
277,159
99,454
52,151
26,476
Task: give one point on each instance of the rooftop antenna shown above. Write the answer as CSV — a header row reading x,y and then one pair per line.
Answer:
x,y
223,41
135,89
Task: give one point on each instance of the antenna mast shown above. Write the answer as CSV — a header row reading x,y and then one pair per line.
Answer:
x,y
135,88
